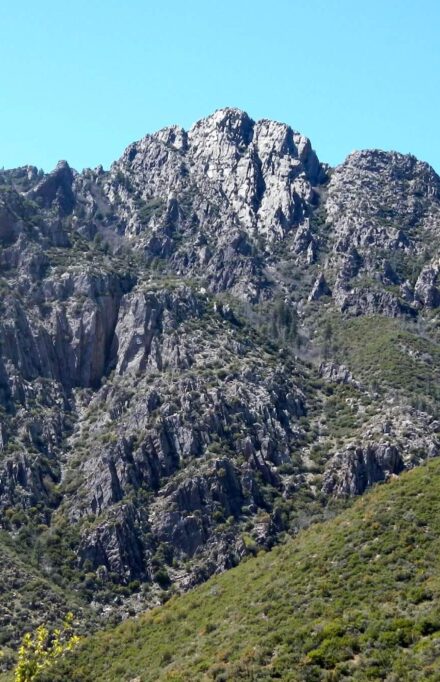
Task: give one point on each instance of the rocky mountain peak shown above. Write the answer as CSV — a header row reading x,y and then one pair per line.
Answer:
x,y
232,125
56,187
197,345
237,179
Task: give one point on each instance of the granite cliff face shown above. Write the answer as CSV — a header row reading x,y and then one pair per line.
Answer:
x,y
206,347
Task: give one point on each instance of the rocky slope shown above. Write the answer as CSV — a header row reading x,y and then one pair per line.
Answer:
x,y
212,344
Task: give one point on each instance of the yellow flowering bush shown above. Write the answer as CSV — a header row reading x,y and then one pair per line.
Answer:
x,y
40,649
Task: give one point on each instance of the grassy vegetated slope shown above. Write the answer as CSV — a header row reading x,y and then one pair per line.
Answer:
x,y
392,353
354,598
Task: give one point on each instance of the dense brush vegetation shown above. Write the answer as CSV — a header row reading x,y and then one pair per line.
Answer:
x,y
354,598
386,353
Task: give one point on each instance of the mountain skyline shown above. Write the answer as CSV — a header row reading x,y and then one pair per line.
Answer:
x,y
84,82
62,159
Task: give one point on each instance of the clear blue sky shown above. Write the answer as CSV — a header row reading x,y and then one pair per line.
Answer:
x,y
80,80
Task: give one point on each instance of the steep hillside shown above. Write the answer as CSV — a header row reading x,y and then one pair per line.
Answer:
x,y
354,598
203,350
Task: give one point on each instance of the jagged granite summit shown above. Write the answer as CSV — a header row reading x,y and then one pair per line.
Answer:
x,y
204,348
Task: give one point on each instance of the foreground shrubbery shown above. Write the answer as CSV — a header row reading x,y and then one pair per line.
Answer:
x,y
355,598
41,650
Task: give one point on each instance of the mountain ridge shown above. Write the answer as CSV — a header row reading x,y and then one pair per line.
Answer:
x,y
208,347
